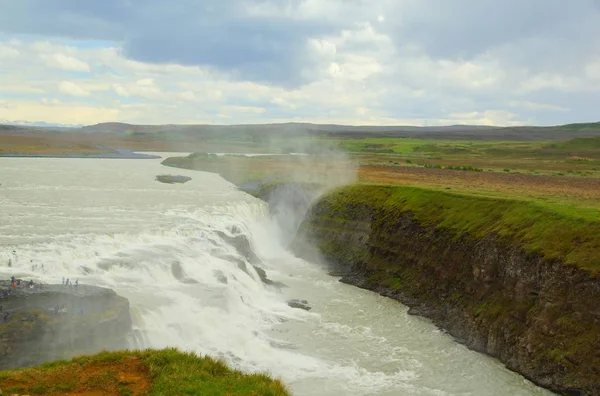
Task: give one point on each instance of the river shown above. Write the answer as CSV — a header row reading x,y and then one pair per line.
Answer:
x,y
107,222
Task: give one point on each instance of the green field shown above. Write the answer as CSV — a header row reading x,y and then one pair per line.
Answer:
x,y
575,157
569,235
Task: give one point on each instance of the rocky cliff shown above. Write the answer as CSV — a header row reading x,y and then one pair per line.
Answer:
x,y
58,321
487,271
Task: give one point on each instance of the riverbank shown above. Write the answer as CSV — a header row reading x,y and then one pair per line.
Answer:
x,y
565,190
508,278
114,154
155,372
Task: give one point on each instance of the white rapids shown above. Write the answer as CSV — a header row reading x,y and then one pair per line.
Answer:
x,y
107,222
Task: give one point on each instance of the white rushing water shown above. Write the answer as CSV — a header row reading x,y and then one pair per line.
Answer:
x,y
107,222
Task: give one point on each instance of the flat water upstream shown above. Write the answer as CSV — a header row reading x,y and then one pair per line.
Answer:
x,y
167,248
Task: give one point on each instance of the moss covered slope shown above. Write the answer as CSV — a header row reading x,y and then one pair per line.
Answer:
x,y
151,372
554,234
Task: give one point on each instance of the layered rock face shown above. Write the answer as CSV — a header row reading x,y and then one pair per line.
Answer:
x,y
58,322
539,316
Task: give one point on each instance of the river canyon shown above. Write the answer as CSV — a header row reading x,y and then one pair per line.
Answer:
x,y
168,249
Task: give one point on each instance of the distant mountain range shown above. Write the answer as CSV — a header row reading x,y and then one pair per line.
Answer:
x,y
260,132
283,130
39,124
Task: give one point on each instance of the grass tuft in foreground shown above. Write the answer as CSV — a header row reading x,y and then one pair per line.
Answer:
x,y
149,372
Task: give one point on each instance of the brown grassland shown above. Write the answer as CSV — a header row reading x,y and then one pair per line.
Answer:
x,y
136,373
584,191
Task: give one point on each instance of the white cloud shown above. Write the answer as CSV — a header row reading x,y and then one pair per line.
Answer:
x,y
488,117
592,70
360,72
550,81
72,89
244,109
7,51
77,113
187,95
65,62
281,102
536,106
21,89
357,68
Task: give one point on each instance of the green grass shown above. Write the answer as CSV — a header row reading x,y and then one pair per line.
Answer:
x,y
591,143
384,145
151,372
545,156
569,235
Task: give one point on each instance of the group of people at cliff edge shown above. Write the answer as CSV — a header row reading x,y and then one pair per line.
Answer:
x,y
17,282
14,282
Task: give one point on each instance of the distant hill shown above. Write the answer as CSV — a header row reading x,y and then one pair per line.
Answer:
x,y
40,124
262,131
266,132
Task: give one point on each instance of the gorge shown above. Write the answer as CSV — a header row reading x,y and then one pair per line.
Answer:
x,y
503,277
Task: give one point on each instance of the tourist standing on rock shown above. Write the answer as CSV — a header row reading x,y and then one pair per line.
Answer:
x,y
10,262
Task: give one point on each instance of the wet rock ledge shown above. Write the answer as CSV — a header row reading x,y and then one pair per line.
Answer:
x,y
50,322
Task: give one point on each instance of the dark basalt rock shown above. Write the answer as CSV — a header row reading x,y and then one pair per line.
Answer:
x,y
244,248
171,179
179,273
50,322
302,304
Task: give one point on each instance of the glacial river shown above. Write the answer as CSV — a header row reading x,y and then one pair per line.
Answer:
x,y
107,222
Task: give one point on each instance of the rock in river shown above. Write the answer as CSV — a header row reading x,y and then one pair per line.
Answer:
x,y
302,304
170,179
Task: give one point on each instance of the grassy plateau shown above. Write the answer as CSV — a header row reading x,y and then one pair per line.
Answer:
x,y
556,235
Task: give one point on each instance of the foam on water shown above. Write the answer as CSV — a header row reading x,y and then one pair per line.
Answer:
x,y
169,250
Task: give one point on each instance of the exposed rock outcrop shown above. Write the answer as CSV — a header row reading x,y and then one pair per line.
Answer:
x,y
538,315
243,246
58,321
171,179
301,304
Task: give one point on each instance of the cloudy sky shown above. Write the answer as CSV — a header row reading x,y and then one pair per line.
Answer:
x,y
406,62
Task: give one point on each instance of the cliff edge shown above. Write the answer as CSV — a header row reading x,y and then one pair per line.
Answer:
x,y
510,279
49,322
